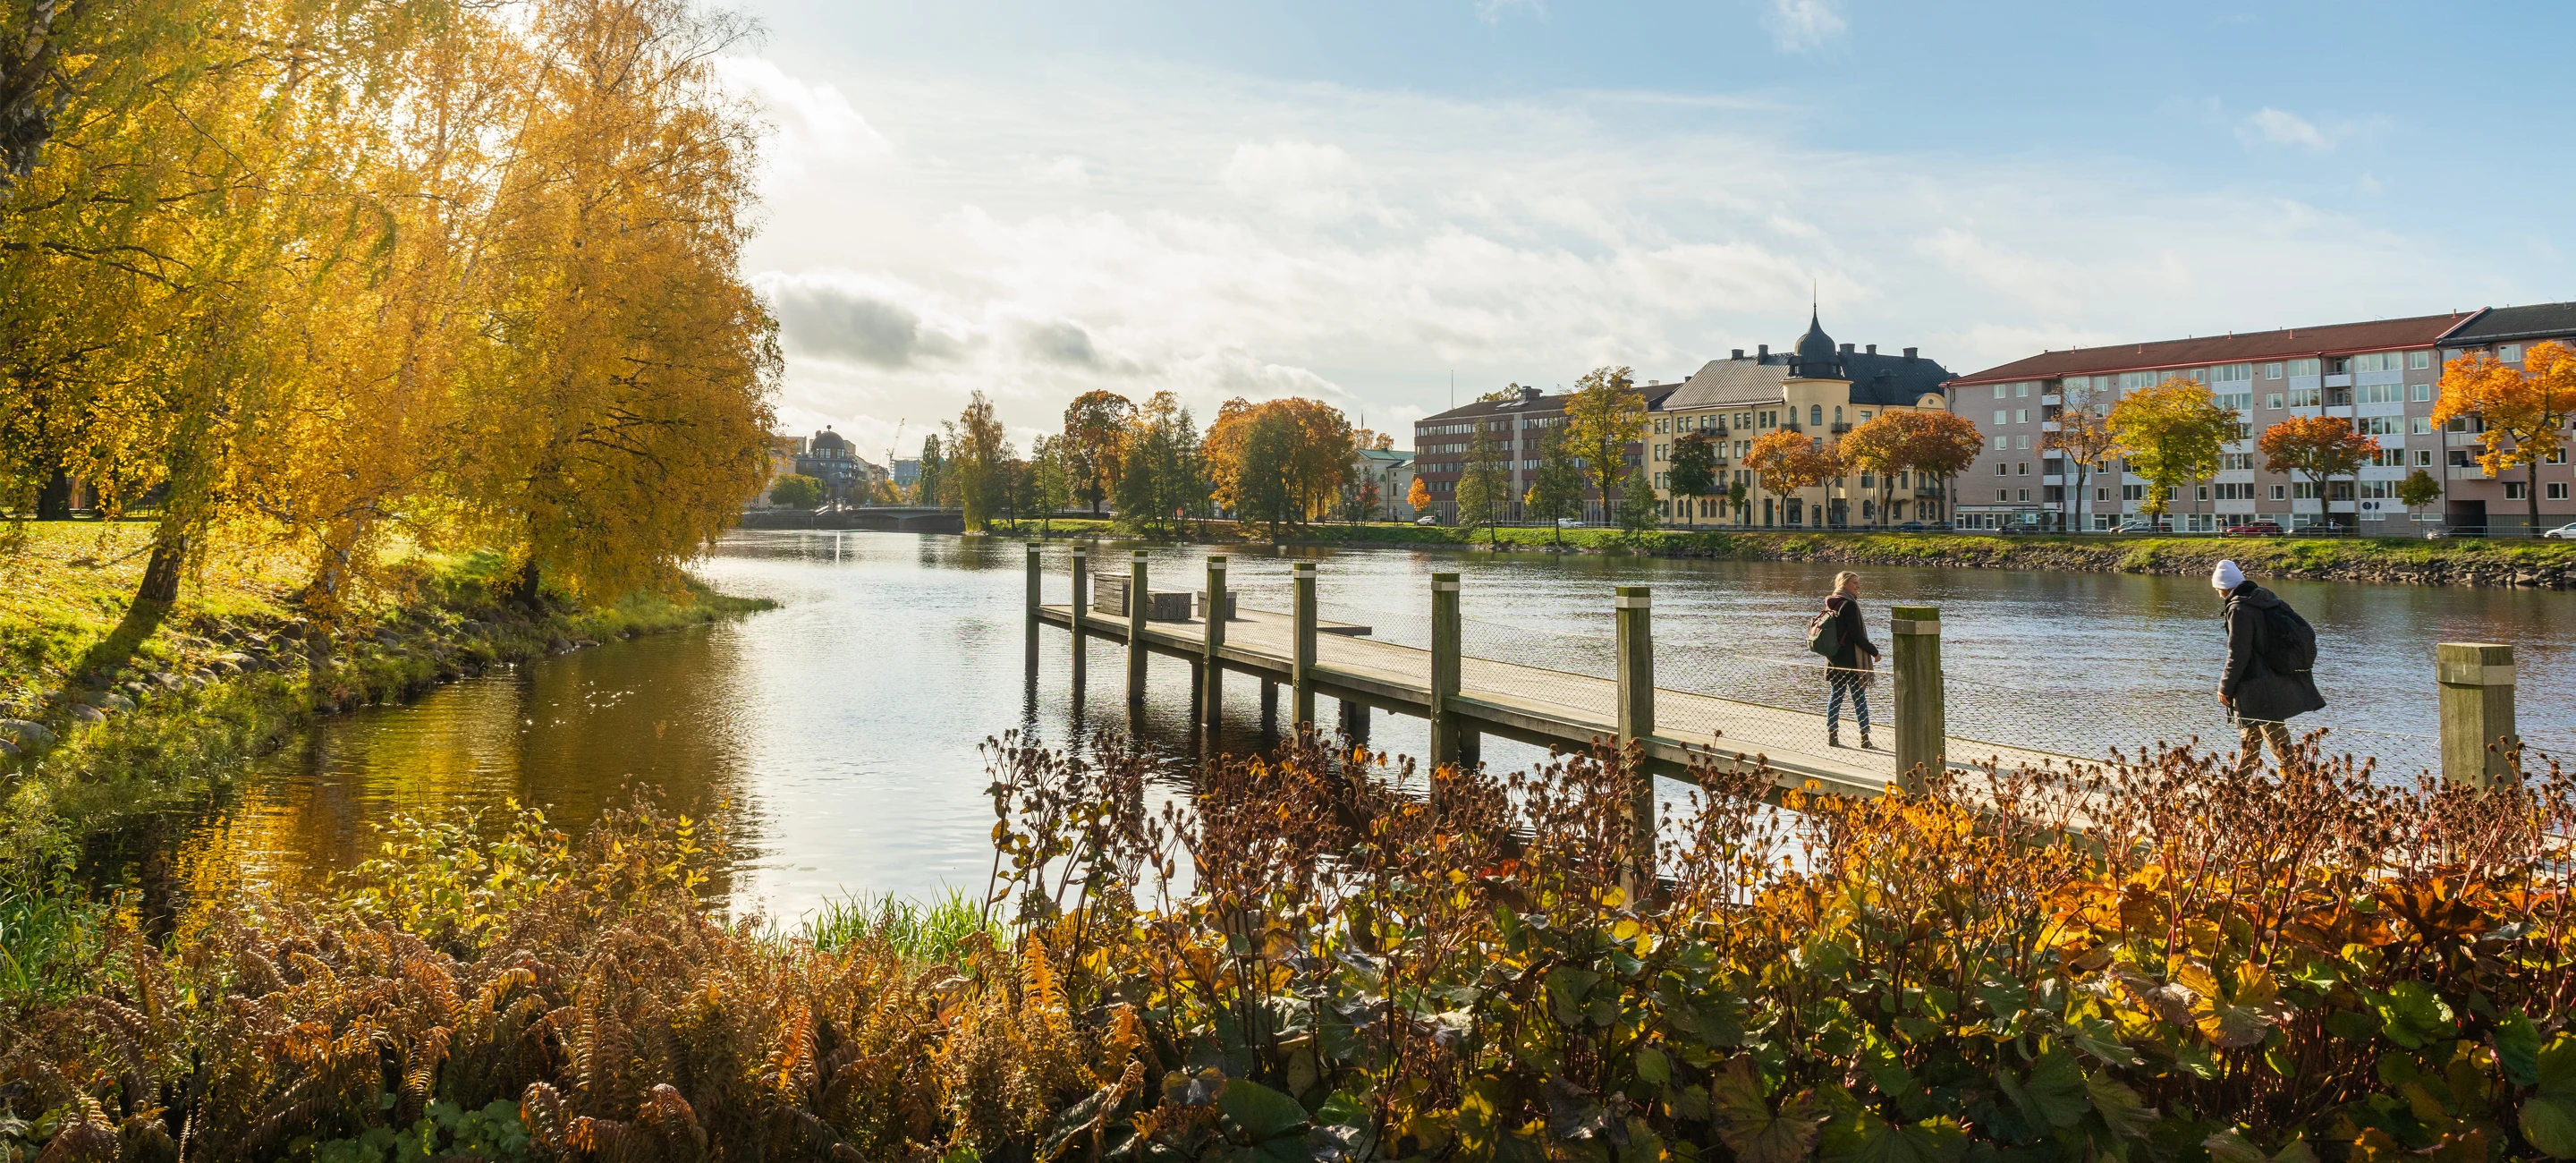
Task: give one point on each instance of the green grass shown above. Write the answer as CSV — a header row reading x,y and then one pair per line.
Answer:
x,y
48,942
930,933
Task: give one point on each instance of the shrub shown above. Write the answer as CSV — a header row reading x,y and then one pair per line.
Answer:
x,y
2163,959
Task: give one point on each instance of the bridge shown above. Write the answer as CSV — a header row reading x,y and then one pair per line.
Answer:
x,y
876,518
1693,720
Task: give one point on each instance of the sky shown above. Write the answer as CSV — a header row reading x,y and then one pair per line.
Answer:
x,y
1366,203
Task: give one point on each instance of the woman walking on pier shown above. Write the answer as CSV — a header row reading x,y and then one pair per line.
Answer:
x,y
1843,638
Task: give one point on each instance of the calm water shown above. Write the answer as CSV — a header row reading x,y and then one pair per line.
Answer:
x,y
842,728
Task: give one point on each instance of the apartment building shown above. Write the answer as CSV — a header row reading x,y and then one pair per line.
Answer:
x,y
1818,387
1519,425
2381,375
2471,498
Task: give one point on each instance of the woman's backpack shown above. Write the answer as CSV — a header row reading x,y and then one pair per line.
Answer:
x,y
1825,634
2289,643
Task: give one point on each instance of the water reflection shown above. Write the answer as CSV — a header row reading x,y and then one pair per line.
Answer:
x,y
843,727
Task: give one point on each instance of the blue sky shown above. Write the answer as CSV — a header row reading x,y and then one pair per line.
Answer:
x,y
1356,201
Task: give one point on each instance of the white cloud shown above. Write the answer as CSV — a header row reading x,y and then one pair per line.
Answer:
x,y
1236,237
2269,126
1804,25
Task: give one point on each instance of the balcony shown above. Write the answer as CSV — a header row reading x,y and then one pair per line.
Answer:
x,y
2052,479
2051,400
1840,428
2050,426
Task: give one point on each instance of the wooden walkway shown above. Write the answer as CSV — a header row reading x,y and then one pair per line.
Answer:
x,y
1543,707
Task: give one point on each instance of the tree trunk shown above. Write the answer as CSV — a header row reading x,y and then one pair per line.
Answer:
x,y
2530,493
523,588
162,573
54,499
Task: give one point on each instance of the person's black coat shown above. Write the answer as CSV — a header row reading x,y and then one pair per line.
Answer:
x,y
2260,692
1855,633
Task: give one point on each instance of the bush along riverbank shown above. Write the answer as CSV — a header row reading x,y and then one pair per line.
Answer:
x,y
2223,967
2540,564
108,708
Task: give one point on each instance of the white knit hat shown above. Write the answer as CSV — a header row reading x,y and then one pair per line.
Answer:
x,y
2226,576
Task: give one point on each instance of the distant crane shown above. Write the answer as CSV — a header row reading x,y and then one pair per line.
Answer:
x,y
890,447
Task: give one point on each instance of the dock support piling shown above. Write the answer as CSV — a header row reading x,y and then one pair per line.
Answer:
x,y
1636,661
1139,602
1445,648
1922,718
1033,581
1081,598
1214,692
1301,656
1269,706
1355,722
2477,711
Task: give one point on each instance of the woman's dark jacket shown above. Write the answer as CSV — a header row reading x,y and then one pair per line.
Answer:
x,y
1855,633
2260,692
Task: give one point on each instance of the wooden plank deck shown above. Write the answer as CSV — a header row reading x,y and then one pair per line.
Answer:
x,y
1545,707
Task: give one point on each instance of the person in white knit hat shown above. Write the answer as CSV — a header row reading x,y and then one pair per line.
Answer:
x,y
2270,653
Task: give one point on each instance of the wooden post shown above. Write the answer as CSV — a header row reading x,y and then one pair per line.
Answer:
x,y
1139,602
1081,598
1355,721
1922,718
1634,611
1214,691
1445,645
2477,711
1269,705
1033,581
1301,652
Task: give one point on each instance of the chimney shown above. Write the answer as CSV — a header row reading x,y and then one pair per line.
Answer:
x,y
1873,349
1739,354
1909,353
1531,394
1765,350
1847,349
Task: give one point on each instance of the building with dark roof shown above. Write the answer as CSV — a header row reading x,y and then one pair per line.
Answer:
x,y
846,477
2382,375
1518,422
1819,387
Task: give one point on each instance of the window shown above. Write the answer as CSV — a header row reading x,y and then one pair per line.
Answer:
x,y
2558,456
2276,493
2021,415
2245,432
2022,469
2377,425
2557,490
2230,373
2102,494
2419,360
2003,494
2235,462
2378,490
2173,492
2303,397
2508,352
1838,413
2379,361
2000,416
1815,413
2022,441
1864,417
2204,492
2271,371
1999,468
2303,367
2389,458
2241,401
2021,390
2420,393
2001,389
2133,492
2379,394
2132,381
2517,491
2235,492
2420,425
2423,458
2303,491
2272,400
2025,495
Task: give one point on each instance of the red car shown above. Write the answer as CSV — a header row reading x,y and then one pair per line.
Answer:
x,y
2255,529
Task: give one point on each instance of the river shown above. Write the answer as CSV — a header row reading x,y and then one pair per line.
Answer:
x,y
841,730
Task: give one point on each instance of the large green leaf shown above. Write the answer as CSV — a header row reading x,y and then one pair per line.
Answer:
x,y
1875,1140
2414,1016
2053,1095
2549,1119
1748,1125
2127,1115
2229,1146
1260,1112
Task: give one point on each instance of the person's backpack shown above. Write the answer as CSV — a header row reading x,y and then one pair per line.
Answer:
x,y
2289,643
1825,634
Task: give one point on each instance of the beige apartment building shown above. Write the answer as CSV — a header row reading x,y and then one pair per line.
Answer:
x,y
1818,388
2381,375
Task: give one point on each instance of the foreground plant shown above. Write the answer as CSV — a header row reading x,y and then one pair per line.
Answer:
x,y
1308,959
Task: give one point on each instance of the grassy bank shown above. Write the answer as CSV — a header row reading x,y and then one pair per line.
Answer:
x,y
2228,968
107,708
2463,561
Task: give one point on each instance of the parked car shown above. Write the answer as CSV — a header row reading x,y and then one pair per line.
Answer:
x,y
2460,531
2255,529
1910,527
1427,519
2566,532
2137,527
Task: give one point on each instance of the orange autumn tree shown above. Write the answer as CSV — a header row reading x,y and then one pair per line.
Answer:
x,y
1784,463
2323,447
2520,411
1419,496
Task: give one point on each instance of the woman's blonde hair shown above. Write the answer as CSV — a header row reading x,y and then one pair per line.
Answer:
x,y
1845,580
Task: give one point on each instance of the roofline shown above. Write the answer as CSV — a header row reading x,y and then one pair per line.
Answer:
x,y
2474,316
1977,381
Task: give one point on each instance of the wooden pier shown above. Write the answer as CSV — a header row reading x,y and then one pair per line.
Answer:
x,y
1464,698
